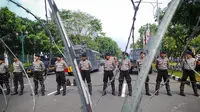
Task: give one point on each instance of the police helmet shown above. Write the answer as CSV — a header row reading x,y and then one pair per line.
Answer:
x,y
60,56
125,53
189,52
84,55
1,58
107,54
142,52
163,52
37,55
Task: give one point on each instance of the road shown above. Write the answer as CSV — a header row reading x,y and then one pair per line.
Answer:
x,y
108,103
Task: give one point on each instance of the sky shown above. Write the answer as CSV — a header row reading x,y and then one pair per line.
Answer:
x,y
115,15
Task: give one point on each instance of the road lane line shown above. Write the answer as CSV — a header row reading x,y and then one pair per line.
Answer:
x,y
123,89
56,91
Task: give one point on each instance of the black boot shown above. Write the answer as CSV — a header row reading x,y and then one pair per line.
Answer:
x,y
147,89
168,89
64,90
58,90
1,91
113,88
15,91
130,89
157,88
182,89
120,89
43,90
21,92
194,86
90,88
104,89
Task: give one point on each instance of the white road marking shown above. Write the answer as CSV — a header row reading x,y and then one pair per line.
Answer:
x,y
123,89
56,90
53,92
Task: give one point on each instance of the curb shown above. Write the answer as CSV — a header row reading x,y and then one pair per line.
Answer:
x,y
179,79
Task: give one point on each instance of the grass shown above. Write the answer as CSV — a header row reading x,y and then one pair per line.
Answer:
x,y
178,73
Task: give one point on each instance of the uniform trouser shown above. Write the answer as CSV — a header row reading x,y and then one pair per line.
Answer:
x,y
162,74
128,80
86,75
61,81
4,80
147,84
18,77
110,75
38,77
185,75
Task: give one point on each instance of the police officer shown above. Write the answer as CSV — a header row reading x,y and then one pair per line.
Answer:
x,y
18,76
60,66
4,75
86,67
188,65
140,62
162,64
124,67
109,67
38,68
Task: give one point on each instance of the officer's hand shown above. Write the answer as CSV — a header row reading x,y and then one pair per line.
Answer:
x,y
117,70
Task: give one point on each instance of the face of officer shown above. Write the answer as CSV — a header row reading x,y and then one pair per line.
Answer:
x,y
107,57
124,56
1,61
162,55
142,55
37,58
15,59
83,58
58,58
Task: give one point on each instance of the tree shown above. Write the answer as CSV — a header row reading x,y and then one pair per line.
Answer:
x,y
107,45
181,26
142,31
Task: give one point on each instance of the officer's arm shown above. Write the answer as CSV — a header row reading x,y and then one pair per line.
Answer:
x,y
129,64
195,63
113,63
43,67
65,64
22,66
168,63
90,64
6,67
157,64
137,64
182,64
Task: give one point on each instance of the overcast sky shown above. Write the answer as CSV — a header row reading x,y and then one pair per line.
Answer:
x,y
115,15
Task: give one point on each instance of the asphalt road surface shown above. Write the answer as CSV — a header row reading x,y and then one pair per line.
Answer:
x,y
108,103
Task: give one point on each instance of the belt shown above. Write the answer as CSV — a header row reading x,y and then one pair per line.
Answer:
x,y
59,71
17,72
108,70
2,73
124,70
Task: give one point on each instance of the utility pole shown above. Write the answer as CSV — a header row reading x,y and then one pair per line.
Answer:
x,y
22,37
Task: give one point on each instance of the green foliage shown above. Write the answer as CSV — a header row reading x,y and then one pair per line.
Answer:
x,y
79,26
142,31
181,27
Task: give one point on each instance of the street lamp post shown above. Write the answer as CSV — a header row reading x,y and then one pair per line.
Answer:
x,y
155,16
22,37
